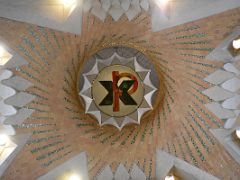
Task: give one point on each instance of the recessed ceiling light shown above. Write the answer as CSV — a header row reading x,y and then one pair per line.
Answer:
x,y
74,177
162,2
69,3
169,178
3,139
236,44
1,51
238,133
4,56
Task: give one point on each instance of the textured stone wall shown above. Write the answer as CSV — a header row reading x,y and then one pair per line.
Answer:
x,y
179,124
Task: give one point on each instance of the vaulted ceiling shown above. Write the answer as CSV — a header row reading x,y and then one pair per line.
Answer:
x,y
53,14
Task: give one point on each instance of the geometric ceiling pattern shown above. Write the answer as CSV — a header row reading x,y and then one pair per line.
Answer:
x,y
163,13
116,9
124,114
135,173
225,93
12,99
179,124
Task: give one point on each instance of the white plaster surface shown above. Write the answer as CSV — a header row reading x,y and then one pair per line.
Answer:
x,y
219,111
232,85
219,77
17,83
232,103
166,162
20,99
20,117
190,10
229,124
217,94
137,174
106,174
224,137
76,164
121,173
20,141
231,68
46,13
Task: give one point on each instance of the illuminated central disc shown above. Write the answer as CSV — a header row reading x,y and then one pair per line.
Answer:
x,y
117,91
